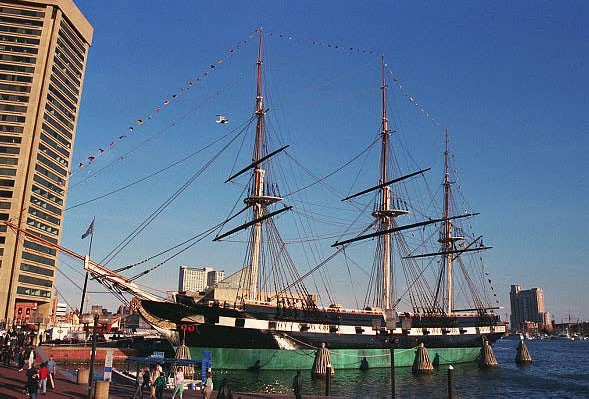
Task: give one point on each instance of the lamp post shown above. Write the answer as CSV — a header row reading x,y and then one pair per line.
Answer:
x,y
92,358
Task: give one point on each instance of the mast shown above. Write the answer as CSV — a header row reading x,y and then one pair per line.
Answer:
x,y
385,198
385,213
258,199
258,184
447,227
447,238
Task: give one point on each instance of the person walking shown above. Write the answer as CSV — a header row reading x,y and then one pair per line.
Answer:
x,y
31,356
139,384
6,355
160,384
153,377
208,384
21,358
178,383
145,380
52,367
43,376
297,385
32,384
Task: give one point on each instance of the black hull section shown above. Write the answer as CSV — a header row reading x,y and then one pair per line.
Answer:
x,y
266,327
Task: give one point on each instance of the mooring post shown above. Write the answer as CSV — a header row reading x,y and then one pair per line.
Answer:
x,y
327,379
450,382
92,358
522,356
422,364
488,359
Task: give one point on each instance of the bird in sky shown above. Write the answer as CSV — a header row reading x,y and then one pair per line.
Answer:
x,y
222,119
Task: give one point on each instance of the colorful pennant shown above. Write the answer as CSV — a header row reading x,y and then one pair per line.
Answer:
x,y
322,43
397,84
167,101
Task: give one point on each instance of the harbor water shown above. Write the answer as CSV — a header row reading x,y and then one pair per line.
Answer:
x,y
559,370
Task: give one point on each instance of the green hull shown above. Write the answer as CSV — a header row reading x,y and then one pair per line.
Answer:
x,y
274,359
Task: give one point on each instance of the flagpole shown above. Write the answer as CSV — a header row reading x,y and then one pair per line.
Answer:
x,y
86,278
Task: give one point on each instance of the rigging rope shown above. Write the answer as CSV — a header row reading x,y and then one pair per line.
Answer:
x,y
149,175
319,180
170,100
127,240
158,133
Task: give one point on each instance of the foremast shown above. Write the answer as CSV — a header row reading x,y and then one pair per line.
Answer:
x,y
385,213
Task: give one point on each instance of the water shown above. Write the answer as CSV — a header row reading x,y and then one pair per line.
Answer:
x,y
559,370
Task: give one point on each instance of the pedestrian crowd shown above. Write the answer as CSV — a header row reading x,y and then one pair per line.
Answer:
x,y
154,380
17,349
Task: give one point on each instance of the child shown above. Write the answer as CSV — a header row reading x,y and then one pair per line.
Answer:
x,y
179,383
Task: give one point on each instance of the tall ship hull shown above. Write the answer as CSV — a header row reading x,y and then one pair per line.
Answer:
x,y
265,337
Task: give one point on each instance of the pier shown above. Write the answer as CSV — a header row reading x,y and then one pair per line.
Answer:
x,y
12,382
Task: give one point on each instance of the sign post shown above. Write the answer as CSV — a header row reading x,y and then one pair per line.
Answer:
x,y
108,364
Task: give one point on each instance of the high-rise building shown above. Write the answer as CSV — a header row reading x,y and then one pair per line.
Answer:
x,y
214,276
43,52
195,279
528,306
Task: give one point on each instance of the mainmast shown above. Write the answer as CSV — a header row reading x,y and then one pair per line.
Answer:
x,y
385,198
258,185
257,199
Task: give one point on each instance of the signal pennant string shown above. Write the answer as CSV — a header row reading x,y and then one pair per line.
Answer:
x,y
398,84
402,88
320,43
161,131
166,102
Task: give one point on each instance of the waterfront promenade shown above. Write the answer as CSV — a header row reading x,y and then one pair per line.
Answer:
x,y
12,382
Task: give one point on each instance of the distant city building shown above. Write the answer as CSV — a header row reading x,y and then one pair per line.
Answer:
x,y
198,279
61,309
125,310
214,276
527,306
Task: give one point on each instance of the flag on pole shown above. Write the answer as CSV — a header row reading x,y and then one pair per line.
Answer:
x,y
89,231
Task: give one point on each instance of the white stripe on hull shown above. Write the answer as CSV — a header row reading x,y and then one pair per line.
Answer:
x,y
281,326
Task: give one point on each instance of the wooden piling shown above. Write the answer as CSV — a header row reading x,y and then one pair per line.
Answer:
x,y
522,355
487,359
322,359
450,382
328,379
82,377
422,363
101,390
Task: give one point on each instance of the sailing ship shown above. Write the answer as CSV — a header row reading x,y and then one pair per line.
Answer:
x,y
272,321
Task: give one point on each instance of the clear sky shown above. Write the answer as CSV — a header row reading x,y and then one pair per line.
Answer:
x,y
507,78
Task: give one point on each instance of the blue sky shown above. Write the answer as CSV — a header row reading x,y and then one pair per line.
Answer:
x,y
508,80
